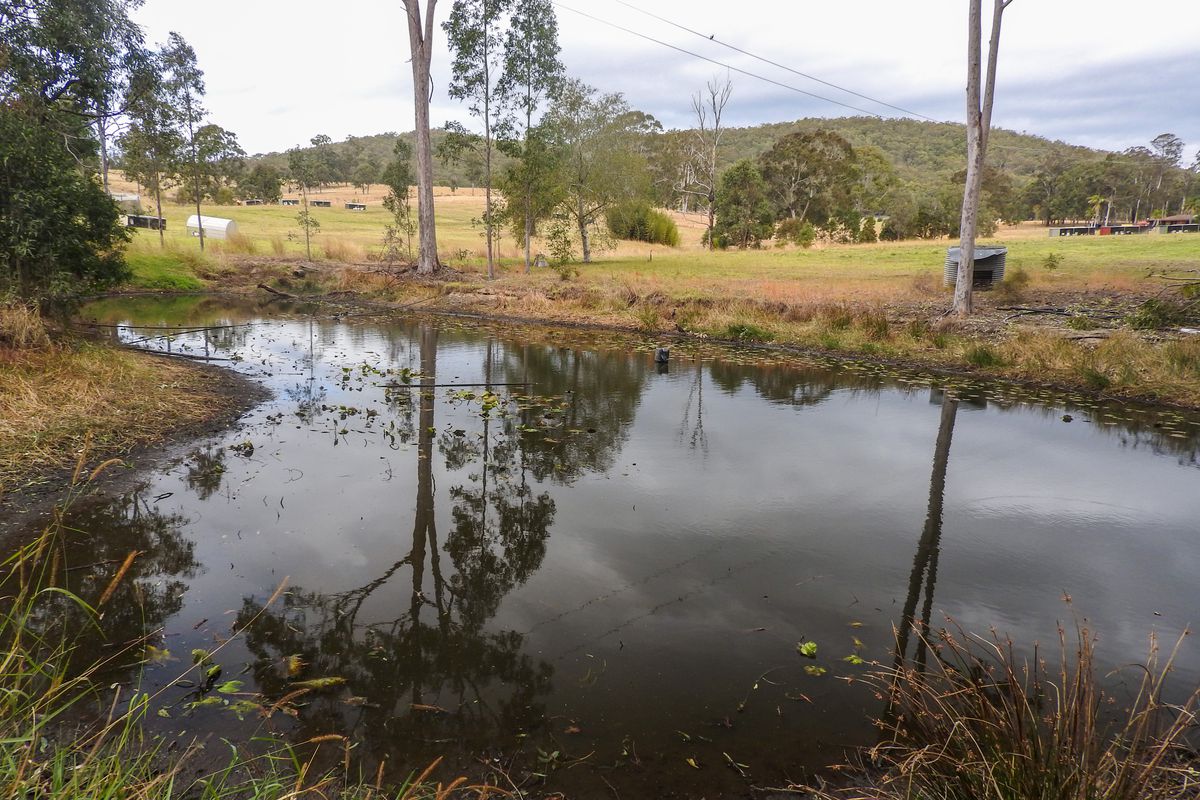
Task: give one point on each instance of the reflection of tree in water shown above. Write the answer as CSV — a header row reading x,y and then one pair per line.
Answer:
x,y
205,471
433,672
95,541
924,571
692,428
601,390
786,384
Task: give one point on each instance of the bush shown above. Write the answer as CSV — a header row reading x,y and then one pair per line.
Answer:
x,y
59,232
639,222
796,232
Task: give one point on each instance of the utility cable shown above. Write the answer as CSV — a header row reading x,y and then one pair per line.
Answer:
x,y
736,49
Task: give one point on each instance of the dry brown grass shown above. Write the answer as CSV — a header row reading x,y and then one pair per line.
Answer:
x,y
983,723
22,327
336,249
54,398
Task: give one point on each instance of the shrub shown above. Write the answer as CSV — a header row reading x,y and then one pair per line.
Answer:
x,y
639,222
1052,261
795,232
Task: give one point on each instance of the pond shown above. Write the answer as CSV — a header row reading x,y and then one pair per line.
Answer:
x,y
539,549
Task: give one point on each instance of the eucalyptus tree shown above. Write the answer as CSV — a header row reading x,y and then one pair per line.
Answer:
x,y
699,176
811,175
150,147
601,154
219,161
304,170
532,72
476,42
980,97
420,42
185,86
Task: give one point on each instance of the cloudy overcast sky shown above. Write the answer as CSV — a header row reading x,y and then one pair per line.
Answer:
x,y
1106,73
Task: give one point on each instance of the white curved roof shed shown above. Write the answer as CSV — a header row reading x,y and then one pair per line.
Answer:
x,y
214,227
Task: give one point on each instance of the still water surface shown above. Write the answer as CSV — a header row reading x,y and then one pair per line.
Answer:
x,y
537,546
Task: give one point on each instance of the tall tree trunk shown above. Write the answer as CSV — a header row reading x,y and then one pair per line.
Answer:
x,y
420,40
162,240
585,244
528,189
979,122
307,224
102,135
195,170
487,156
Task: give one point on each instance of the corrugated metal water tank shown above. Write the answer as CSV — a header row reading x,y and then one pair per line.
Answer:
x,y
989,266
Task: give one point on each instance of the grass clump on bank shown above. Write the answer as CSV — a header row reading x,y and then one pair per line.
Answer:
x,y
980,723
68,731
55,394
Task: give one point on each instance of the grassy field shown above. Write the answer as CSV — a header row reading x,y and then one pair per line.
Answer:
x,y
880,272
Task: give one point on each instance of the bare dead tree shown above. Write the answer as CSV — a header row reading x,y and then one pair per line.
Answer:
x,y
698,175
420,41
979,125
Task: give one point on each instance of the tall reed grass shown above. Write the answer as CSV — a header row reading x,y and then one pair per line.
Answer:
x,y
982,723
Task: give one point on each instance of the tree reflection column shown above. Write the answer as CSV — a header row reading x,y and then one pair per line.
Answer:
x,y
924,571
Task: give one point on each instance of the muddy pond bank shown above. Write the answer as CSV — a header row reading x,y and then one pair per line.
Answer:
x,y
538,546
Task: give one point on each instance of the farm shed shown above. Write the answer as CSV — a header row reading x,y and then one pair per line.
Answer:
x,y
989,266
289,201
321,203
214,227
356,206
145,221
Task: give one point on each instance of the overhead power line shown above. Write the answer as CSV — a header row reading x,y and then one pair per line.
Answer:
x,y
723,64
1103,154
765,60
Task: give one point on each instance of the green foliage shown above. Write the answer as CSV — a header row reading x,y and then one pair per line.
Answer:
x,y
531,183
263,182
743,209
810,175
560,243
1052,261
796,231
1158,313
398,234
219,162
601,154
59,232
637,221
